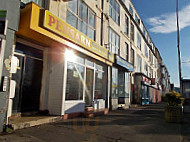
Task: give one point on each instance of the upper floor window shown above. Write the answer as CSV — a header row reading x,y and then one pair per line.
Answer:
x,y
137,19
146,50
146,69
144,32
114,41
132,35
138,40
139,63
131,10
132,56
126,25
155,62
150,57
114,11
39,2
126,51
80,16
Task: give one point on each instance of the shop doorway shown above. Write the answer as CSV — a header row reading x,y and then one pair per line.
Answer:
x,y
28,83
144,95
89,87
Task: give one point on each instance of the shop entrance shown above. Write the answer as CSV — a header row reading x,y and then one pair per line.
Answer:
x,y
144,95
28,84
89,86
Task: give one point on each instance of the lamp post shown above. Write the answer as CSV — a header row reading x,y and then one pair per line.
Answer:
x,y
178,47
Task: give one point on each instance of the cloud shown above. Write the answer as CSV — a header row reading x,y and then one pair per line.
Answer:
x,y
185,62
166,23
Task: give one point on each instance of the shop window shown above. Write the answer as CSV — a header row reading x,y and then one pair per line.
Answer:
x,y
121,81
75,79
132,35
114,41
123,84
89,63
81,17
114,11
127,84
114,83
100,85
39,2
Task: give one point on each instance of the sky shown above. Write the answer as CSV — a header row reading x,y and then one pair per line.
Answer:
x,y
159,18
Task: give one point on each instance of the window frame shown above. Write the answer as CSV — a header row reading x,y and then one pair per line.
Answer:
x,y
112,44
113,13
146,50
139,68
137,19
146,69
132,58
131,10
85,21
127,51
132,32
139,41
126,25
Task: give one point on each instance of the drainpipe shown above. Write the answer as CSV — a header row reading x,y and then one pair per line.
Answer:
x,y
102,21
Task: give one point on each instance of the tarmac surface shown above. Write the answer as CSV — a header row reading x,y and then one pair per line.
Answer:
x,y
142,124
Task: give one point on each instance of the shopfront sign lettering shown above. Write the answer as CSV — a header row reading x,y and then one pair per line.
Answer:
x,y
63,29
124,63
148,81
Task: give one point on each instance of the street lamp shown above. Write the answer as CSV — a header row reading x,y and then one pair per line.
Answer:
x,y
178,47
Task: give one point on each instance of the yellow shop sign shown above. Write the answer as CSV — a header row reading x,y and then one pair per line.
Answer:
x,y
56,25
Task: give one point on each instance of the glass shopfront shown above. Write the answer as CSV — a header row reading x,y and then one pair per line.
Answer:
x,y
86,79
114,82
144,95
75,77
120,83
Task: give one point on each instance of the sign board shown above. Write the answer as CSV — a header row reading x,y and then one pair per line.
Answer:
x,y
58,26
146,80
120,61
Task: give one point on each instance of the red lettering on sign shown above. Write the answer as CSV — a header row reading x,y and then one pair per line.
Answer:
x,y
51,20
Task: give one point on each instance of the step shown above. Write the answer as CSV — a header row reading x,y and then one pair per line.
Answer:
x,y
91,114
25,122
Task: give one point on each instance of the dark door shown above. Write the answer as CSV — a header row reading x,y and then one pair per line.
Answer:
x,y
89,87
31,84
28,88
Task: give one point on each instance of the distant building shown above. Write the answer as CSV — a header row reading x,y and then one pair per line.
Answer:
x,y
186,88
165,79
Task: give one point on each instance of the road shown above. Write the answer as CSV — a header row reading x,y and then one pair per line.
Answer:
x,y
142,124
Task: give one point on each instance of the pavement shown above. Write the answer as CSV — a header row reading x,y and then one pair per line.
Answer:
x,y
142,124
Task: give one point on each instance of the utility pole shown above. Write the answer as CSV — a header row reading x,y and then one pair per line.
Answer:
x,y
178,47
